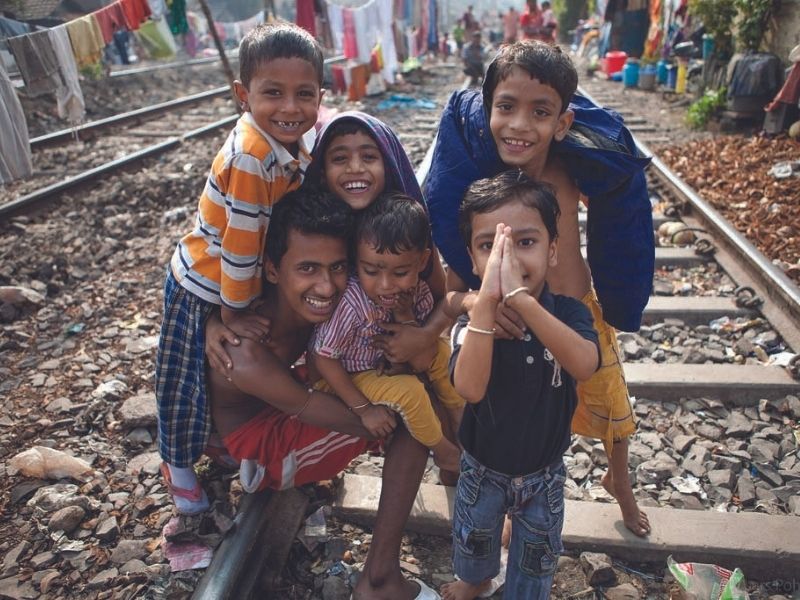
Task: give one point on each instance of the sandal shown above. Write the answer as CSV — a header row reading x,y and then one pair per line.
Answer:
x,y
195,496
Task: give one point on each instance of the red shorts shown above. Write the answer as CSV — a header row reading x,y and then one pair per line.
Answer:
x,y
277,451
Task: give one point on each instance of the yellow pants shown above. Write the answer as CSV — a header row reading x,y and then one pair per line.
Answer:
x,y
604,408
407,396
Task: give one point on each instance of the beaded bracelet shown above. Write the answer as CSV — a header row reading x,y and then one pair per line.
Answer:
x,y
513,293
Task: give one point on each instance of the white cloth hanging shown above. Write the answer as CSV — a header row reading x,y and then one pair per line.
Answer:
x,y
157,8
15,148
363,35
337,26
385,16
71,105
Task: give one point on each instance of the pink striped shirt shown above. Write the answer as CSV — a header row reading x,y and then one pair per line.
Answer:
x,y
347,335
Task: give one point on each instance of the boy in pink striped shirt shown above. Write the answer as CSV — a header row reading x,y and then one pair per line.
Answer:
x,y
393,248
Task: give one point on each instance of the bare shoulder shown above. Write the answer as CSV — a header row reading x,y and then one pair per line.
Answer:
x,y
566,190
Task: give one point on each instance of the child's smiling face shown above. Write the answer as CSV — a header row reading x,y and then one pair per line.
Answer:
x,y
354,169
385,275
284,97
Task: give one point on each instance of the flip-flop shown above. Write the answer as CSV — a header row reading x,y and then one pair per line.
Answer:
x,y
498,580
425,592
196,495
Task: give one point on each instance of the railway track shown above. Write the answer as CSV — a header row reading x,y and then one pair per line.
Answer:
x,y
759,290
109,234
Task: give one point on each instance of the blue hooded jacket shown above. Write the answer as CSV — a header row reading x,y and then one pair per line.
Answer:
x,y
601,158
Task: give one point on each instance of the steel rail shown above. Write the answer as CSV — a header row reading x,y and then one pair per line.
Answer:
x,y
777,284
26,202
170,65
75,132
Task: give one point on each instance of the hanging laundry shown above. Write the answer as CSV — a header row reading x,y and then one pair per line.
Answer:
x,y
433,32
177,17
37,62
387,35
339,82
69,96
15,149
350,43
359,74
158,8
11,28
337,26
136,12
305,16
86,39
363,35
325,35
156,38
111,19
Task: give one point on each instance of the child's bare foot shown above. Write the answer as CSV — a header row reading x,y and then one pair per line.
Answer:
x,y
505,537
634,518
461,590
447,456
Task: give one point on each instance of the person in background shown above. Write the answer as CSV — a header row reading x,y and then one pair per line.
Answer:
x,y
473,56
445,50
549,22
531,22
510,26
458,35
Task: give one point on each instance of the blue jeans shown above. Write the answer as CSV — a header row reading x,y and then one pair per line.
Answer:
x,y
535,503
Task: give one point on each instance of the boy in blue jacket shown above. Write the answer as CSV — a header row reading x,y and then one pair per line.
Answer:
x,y
523,119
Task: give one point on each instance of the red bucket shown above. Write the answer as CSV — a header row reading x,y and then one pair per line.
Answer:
x,y
614,61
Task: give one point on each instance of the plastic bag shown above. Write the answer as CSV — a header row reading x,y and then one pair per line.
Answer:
x,y
46,463
709,582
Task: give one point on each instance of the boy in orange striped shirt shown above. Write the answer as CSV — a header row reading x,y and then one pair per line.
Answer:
x,y
219,262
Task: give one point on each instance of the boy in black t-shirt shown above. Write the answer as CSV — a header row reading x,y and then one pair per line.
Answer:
x,y
520,393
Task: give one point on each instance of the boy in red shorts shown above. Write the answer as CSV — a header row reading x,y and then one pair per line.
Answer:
x,y
285,434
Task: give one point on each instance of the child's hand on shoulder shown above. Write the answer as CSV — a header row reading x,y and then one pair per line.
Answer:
x,y
217,334
250,325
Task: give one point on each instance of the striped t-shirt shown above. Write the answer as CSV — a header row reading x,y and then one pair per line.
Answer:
x,y
347,335
221,259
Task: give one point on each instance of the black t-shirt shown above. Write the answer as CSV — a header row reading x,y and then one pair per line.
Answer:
x,y
523,423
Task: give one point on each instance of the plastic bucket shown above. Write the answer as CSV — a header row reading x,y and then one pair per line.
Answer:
x,y
708,45
680,79
672,76
661,71
615,61
630,73
647,78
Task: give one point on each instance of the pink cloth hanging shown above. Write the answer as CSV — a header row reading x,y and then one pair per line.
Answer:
x,y
305,16
350,43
